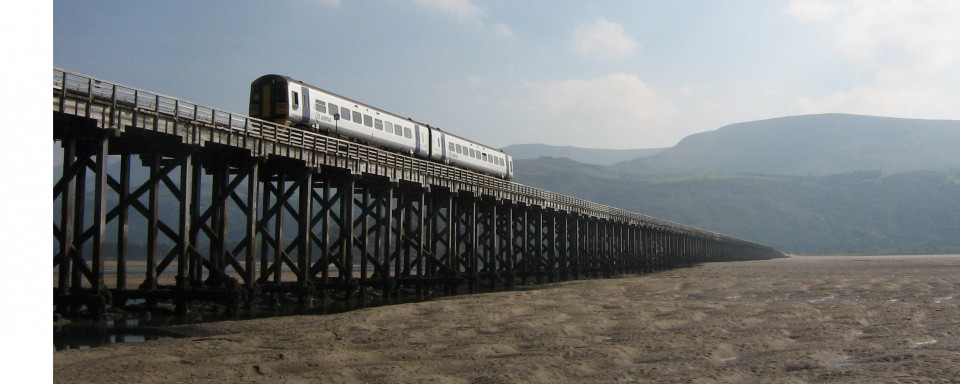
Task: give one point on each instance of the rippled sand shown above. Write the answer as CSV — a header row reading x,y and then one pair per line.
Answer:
x,y
801,319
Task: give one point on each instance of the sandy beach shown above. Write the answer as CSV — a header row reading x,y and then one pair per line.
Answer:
x,y
854,319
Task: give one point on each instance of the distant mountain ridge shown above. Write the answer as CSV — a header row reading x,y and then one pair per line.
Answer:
x,y
811,145
816,184
581,155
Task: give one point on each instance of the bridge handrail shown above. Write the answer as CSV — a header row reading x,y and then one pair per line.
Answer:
x,y
118,95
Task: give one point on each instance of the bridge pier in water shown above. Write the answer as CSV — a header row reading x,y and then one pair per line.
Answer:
x,y
157,204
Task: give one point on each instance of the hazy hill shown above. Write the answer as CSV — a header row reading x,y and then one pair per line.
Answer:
x,y
811,145
582,155
813,184
853,213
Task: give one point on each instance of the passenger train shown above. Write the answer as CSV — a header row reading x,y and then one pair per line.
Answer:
x,y
284,100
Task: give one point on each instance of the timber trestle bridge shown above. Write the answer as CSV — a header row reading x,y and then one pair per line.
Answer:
x,y
163,200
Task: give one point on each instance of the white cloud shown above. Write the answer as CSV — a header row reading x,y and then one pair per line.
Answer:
x,y
918,34
811,10
329,3
503,30
906,52
464,11
618,110
604,40
907,101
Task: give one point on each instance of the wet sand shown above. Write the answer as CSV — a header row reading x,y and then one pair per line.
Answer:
x,y
795,320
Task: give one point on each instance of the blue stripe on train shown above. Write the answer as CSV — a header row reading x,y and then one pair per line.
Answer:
x,y
443,146
305,119
417,138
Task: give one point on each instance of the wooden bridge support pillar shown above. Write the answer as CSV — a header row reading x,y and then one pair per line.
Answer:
x,y
346,188
552,243
467,246
411,208
520,236
533,263
79,283
373,228
288,195
487,265
441,236
575,246
508,244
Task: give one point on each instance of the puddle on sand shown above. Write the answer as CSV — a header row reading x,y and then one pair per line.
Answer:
x,y
128,327
844,363
90,334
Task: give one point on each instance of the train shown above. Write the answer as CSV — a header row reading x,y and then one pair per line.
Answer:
x,y
284,100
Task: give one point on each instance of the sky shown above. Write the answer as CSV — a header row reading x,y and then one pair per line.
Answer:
x,y
598,74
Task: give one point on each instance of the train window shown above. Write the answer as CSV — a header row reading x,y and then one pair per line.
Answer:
x,y
333,109
255,101
399,131
453,148
344,113
459,149
296,100
473,153
407,133
484,157
389,127
367,120
357,117
378,124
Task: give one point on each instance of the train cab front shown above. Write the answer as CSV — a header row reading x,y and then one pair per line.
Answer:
x,y
268,99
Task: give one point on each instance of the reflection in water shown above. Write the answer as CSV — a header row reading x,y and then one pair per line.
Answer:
x,y
88,334
137,326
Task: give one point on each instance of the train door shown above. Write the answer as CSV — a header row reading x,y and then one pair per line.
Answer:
x,y
440,145
296,110
434,144
418,146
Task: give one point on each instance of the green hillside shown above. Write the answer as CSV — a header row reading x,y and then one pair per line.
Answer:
x,y
831,183
853,213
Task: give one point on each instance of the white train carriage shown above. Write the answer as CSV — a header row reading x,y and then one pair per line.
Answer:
x,y
287,101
